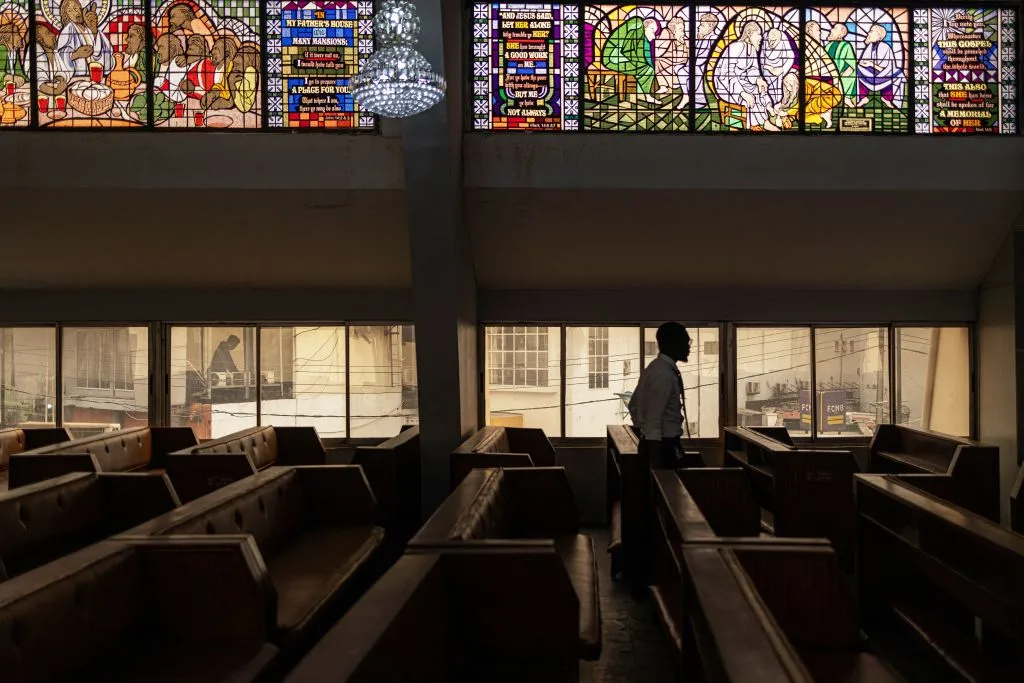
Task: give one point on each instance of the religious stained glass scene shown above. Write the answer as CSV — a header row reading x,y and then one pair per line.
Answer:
x,y
16,92
314,50
968,84
856,70
87,59
206,64
748,70
525,66
636,59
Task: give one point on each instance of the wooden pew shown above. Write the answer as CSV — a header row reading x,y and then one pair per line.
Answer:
x,y
524,504
195,608
940,579
779,611
482,611
393,470
127,450
501,447
798,580
19,440
808,493
315,529
624,470
629,502
50,519
203,468
974,466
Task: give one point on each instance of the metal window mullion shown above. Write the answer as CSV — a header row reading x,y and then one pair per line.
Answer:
x,y
894,387
348,384
58,385
813,393
562,385
728,375
157,388
258,346
147,58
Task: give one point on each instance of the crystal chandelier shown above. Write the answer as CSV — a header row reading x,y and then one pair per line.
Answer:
x,y
397,81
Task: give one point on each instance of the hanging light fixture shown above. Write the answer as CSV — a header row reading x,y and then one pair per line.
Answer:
x,y
397,81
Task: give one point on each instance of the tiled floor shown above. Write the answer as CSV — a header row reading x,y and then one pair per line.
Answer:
x,y
634,648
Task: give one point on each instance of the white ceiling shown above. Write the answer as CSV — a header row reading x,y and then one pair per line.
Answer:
x,y
619,239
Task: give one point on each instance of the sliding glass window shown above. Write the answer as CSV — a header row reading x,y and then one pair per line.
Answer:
x,y
28,376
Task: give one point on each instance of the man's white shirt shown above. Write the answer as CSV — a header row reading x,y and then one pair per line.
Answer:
x,y
656,405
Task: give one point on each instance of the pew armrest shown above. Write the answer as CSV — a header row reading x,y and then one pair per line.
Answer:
x,y
134,498
45,436
196,475
27,468
210,588
543,505
299,446
338,495
462,464
169,439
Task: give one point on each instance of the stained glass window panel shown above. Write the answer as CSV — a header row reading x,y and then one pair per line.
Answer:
x,y
636,59
90,63
206,64
314,50
747,61
15,70
965,70
525,66
857,69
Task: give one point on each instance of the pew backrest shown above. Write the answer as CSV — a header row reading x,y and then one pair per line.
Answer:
x,y
471,612
49,519
77,611
737,638
1017,503
126,450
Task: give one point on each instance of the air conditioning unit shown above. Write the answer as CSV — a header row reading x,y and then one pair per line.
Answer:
x,y
267,377
220,379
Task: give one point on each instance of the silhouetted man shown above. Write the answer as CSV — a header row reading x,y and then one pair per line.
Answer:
x,y
222,360
656,405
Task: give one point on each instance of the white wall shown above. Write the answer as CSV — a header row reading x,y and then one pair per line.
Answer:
x,y
997,372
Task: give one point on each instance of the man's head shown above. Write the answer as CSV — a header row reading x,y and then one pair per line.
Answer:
x,y
180,16
774,38
650,29
674,341
839,32
813,30
136,39
876,34
71,13
233,342
706,25
752,34
677,29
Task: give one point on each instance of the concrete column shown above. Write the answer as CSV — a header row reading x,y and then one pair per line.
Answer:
x,y
444,284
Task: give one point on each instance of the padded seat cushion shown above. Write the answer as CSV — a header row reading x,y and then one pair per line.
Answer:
x,y
577,552
196,663
314,565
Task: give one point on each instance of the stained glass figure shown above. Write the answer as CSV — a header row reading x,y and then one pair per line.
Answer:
x,y
315,47
525,66
637,64
965,73
87,58
15,70
751,75
206,64
860,57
